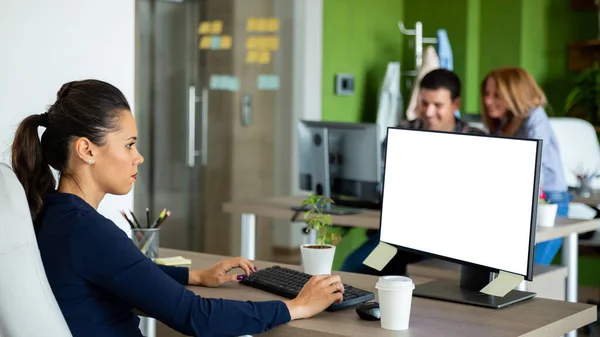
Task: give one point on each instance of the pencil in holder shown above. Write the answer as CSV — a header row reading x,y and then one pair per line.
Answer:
x,y
147,240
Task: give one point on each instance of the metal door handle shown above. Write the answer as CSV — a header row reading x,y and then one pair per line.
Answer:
x,y
192,153
204,126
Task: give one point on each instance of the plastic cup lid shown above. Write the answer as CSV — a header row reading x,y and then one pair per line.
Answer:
x,y
394,282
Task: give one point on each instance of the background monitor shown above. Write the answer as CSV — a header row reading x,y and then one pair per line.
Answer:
x,y
341,161
463,198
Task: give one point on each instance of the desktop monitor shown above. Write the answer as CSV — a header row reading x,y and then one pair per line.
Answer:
x,y
467,199
341,161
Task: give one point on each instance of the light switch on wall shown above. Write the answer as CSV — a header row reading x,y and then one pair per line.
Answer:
x,y
344,84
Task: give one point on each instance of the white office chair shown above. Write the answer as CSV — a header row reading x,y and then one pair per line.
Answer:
x,y
27,305
579,149
578,145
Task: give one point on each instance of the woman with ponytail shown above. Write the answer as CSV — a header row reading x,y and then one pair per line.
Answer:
x,y
96,273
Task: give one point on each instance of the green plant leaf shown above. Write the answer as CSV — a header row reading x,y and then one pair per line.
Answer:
x,y
585,94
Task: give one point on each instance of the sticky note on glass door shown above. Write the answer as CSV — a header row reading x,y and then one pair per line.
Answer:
x,y
205,42
204,28
272,43
251,42
264,57
273,25
226,42
217,27
263,25
252,24
268,82
252,56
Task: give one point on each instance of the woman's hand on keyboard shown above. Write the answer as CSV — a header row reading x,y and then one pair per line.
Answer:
x,y
316,295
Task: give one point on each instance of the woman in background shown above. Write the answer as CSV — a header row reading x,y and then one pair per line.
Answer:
x,y
95,271
513,106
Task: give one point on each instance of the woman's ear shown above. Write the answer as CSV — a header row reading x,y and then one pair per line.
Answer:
x,y
84,150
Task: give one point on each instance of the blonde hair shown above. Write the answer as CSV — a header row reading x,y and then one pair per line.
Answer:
x,y
520,93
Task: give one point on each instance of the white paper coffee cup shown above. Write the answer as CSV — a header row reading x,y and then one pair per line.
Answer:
x,y
395,299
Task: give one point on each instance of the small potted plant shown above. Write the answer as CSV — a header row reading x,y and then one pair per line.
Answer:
x,y
585,178
546,212
318,258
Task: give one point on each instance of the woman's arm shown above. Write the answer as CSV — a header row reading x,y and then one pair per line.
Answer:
x,y
537,126
104,255
180,274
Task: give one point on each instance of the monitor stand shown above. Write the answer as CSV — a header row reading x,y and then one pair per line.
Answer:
x,y
472,280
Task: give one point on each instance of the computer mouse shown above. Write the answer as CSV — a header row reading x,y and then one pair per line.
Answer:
x,y
368,311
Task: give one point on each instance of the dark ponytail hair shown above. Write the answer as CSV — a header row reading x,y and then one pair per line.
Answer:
x,y
88,108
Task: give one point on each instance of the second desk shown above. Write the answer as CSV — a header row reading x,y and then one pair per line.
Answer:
x,y
280,208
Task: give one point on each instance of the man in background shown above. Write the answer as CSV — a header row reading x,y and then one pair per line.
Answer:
x,y
439,98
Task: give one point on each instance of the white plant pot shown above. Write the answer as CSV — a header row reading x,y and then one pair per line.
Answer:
x,y
317,261
546,215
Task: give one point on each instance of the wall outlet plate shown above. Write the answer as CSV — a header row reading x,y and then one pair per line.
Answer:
x,y
344,84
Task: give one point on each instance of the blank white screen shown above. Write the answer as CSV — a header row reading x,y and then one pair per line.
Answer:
x,y
460,196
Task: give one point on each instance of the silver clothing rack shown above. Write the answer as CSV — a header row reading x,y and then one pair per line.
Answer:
x,y
418,44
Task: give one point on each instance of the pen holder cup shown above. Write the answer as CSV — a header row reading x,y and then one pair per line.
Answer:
x,y
147,240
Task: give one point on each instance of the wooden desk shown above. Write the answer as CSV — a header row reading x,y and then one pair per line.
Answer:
x,y
279,208
536,317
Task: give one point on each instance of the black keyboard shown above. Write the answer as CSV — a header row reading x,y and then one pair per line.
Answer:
x,y
288,283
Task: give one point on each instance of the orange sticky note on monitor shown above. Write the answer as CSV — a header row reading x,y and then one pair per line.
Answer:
x,y
264,57
205,42
252,56
273,25
226,42
204,28
217,27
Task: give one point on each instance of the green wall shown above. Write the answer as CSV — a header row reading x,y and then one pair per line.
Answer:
x,y
359,37
544,45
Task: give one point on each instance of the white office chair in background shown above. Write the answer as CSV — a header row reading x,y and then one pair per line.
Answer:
x,y
578,145
28,307
579,149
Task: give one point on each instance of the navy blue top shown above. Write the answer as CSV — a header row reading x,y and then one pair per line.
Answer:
x,y
98,277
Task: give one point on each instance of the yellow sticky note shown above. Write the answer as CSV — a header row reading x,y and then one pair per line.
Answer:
x,y
205,42
263,25
173,261
252,24
273,25
264,57
262,43
252,56
503,284
251,42
226,42
380,256
217,27
272,43
204,28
